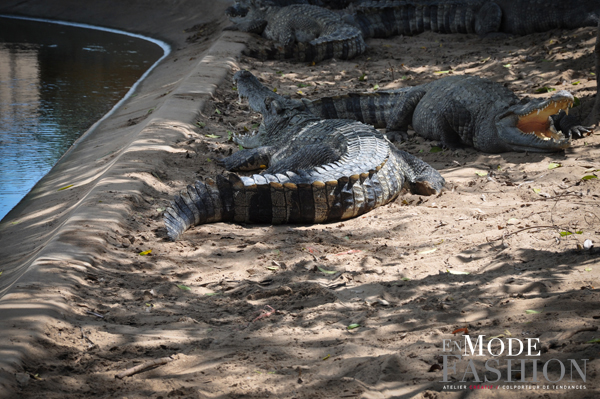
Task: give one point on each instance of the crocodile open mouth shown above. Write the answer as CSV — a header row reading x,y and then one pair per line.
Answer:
x,y
538,121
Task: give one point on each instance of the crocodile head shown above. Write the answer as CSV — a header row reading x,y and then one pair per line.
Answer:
x,y
278,112
529,126
240,8
237,10
248,16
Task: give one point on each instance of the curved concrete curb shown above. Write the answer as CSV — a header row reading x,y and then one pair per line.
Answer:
x,y
34,296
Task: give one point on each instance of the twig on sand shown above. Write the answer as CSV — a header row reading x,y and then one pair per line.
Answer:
x,y
558,197
572,334
523,229
265,313
314,256
91,344
554,343
94,313
145,366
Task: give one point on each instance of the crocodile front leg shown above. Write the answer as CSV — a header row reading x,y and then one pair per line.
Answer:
x,y
253,159
401,114
569,125
420,177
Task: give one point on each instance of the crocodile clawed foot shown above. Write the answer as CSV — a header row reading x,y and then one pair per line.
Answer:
x,y
425,187
397,136
451,146
578,132
222,162
569,125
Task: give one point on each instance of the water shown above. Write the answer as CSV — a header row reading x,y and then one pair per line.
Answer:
x,y
55,82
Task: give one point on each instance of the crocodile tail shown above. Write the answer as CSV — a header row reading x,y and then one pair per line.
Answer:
x,y
202,202
276,199
390,18
420,177
344,44
370,108
392,109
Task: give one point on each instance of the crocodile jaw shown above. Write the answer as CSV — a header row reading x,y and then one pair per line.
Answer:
x,y
248,87
537,120
277,111
529,127
250,140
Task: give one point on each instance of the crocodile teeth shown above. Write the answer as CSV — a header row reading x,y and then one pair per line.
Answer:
x,y
542,138
539,110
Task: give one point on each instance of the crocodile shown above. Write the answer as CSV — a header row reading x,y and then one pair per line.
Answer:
x,y
314,170
462,111
386,18
594,116
241,7
302,32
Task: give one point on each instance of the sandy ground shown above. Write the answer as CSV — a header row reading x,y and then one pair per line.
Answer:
x,y
263,311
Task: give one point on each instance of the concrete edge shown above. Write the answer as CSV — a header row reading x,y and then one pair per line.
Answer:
x,y
32,306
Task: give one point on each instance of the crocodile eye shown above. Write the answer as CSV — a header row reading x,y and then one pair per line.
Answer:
x,y
268,102
273,106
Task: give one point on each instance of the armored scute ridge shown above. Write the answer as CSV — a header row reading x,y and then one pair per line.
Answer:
x,y
318,170
241,7
462,111
306,32
302,32
391,18
383,18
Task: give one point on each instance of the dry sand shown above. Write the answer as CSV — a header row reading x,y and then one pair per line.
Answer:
x,y
81,304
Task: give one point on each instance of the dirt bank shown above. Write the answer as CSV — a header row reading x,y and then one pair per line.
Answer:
x,y
90,305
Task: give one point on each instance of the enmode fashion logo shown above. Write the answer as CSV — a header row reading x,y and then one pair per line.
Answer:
x,y
507,363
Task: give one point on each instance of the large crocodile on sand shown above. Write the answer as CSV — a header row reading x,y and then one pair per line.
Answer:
x,y
241,7
317,170
301,31
384,18
462,111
